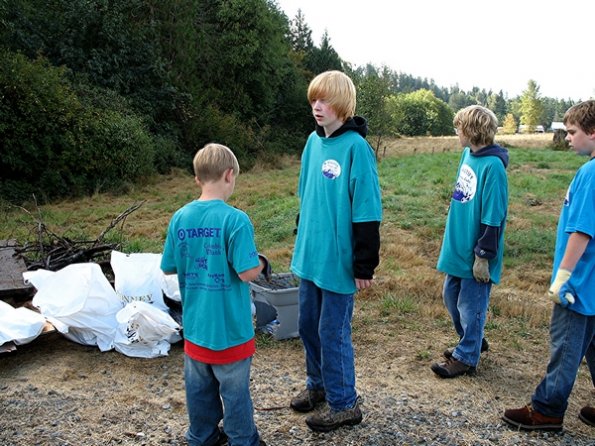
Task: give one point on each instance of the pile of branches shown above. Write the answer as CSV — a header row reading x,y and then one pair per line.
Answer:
x,y
52,252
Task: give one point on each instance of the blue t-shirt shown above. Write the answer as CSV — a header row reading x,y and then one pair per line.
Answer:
x,y
338,186
480,197
208,243
578,215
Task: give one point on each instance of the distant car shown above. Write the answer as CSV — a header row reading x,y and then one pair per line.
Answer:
x,y
556,125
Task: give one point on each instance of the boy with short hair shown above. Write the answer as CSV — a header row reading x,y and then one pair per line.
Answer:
x,y
473,245
572,329
210,246
336,249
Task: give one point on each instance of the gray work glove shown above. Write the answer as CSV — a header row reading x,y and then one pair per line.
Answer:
x,y
481,270
267,271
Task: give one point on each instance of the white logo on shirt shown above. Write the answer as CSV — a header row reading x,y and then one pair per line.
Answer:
x,y
331,169
466,185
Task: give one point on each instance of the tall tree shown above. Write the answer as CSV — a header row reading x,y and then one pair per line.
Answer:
x,y
324,58
373,90
531,107
300,34
497,104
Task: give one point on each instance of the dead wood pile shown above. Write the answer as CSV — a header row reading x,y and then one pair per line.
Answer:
x,y
47,250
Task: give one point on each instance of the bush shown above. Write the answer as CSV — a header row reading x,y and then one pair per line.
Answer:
x,y
59,142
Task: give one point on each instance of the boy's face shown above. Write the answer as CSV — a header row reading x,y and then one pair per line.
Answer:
x,y
325,116
463,140
582,143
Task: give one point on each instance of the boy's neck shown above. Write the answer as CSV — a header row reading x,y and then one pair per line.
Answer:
x,y
214,191
209,196
332,127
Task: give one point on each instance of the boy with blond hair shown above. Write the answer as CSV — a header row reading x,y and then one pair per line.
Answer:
x,y
572,329
473,244
210,246
336,249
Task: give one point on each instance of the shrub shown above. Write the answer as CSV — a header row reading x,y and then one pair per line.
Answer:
x,y
59,141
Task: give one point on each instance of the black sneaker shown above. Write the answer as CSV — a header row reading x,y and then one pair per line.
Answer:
x,y
307,400
330,419
451,368
222,438
485,346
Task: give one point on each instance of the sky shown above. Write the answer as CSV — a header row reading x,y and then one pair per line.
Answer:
x,y
494,45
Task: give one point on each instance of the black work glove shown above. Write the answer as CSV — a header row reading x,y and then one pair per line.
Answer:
x,y
267,271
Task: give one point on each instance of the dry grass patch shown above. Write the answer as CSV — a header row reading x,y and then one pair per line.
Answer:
x,y
436,144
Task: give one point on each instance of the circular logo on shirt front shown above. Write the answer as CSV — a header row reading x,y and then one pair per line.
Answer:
x,y
466,185
331,169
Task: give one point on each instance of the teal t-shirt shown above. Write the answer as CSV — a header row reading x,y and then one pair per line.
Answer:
x,y
208,243
480,197
338,186
578,215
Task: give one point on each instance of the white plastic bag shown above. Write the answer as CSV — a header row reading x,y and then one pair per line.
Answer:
x,y
79,301
145,331
171,287
19,325
138,277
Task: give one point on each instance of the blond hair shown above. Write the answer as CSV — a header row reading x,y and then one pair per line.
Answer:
x,y
582,115
337,89
211,162
477,123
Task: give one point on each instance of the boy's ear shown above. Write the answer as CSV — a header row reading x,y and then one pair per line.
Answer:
x,y
197,181
228,175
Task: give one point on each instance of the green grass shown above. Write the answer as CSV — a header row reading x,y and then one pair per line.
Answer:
x,y
397,305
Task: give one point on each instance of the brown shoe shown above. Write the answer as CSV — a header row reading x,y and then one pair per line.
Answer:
x,y
451,368
307,400
330,419
527,418
587,415
485,346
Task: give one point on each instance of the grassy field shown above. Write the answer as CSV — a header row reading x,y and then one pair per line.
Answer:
x,y
416,176
400,325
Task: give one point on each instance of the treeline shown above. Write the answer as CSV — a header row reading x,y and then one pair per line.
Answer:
x,y
98,94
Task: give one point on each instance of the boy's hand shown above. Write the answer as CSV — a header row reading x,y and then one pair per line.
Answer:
x,y
361,284
481,270
267,271
562,276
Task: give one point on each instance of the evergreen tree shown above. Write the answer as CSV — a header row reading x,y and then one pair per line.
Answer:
x,y
300,34
497,104
531,107
324,58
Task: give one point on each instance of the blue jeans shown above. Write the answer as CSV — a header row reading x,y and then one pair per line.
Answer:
x,y
572,337
467,303
325,329
215,393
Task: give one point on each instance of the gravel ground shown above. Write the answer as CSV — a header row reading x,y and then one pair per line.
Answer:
x,y
56,392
